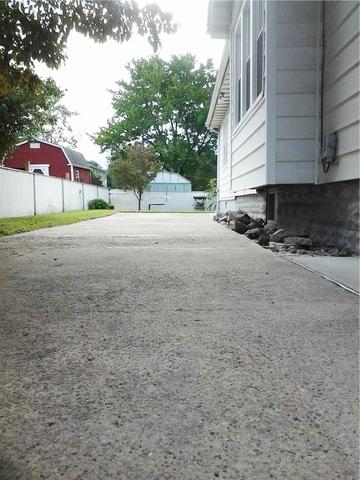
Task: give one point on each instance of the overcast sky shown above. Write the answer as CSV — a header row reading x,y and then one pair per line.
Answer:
x,y
92,69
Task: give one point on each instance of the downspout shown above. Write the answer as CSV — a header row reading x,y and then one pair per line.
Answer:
x,y
319,159
70,164
216,131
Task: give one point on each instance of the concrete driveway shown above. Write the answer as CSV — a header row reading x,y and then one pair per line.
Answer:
x,y
164,346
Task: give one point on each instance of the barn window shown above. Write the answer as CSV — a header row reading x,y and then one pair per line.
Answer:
x,y
42,168
34,145
77,176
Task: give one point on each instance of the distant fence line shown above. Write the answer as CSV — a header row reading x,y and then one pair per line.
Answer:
x,y
25,194
156,201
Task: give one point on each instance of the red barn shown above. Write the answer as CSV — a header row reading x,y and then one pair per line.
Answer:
x,y
47,158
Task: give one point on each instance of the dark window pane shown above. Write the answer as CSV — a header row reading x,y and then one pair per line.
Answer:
x,y
247,85
239,100
259,63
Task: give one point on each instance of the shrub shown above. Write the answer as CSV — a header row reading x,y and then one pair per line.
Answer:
x,y
98,204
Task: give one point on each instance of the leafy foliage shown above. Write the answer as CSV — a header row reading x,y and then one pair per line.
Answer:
x,y
98,204
136,170
39,113
212,188
95,177
38,30
164,106
95,174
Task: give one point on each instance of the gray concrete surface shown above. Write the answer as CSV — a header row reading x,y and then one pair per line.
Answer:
x,y
343,270
155,346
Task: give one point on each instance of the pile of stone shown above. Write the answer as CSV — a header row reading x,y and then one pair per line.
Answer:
x,y
281,240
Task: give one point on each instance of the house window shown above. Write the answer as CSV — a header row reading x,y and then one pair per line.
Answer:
x,y
77,176
248,66
246,60
237,69
239,100
258,22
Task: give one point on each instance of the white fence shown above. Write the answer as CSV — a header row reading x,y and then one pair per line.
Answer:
x,y
24,193
158,201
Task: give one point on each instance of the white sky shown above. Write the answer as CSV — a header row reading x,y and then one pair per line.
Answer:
x,y
91,69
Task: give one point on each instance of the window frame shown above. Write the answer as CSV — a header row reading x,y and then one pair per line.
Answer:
x,y
246,56
258,20
246,96
237,67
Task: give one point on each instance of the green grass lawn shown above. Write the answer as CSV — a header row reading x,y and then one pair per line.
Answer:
x,y
9,226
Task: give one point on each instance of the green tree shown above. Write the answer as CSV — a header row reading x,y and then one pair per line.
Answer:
x,y
164,106
95,177
135,169
36,113
212,188
38,30
95,174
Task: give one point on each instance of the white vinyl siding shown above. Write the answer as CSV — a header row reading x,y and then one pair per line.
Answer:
x,y
224,152
247,169
296,91
277,140
341,87
248,153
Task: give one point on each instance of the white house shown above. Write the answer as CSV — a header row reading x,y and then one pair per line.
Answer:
x,y
286,109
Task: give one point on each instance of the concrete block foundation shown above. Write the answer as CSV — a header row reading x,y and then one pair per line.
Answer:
x,y
253,204
329,213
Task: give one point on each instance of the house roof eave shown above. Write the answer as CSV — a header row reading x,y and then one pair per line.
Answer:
x,y
220,100
219,18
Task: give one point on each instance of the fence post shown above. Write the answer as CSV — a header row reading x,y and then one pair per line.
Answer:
x,y
62,195
83,196
34,193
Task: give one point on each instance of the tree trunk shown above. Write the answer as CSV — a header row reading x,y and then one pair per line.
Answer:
x,y
139,201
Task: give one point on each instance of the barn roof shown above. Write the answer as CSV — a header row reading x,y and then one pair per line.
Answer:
x,y
76,159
